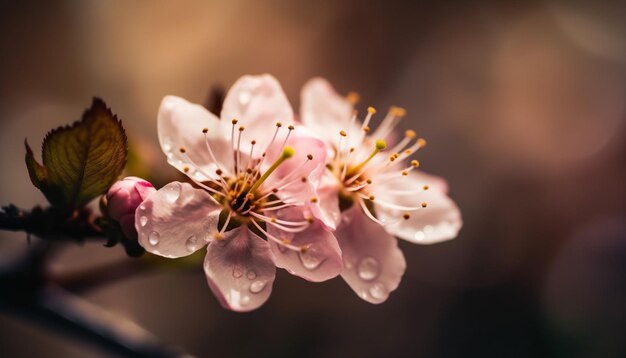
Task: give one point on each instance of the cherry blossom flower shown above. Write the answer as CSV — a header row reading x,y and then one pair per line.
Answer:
x,y
254,175
372,193
123,198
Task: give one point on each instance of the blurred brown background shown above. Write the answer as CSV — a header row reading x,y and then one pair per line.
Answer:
x,y
523,104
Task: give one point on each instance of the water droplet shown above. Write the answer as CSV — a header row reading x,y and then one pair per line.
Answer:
x,y
192,244
153,238
143,221
419,236
237,271
257,286
172,192
245,300
368,269
251,275
167,145
244,97
142,207
378,291
310,258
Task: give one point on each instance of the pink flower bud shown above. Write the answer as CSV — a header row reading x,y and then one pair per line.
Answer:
x,y
123,199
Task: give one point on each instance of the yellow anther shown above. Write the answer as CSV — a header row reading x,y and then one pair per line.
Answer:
x,y
371,110
424,204
313,200
407,152
186,169
234,121
183,150
342,133
309,156
366,129
415,163
406,216
242,128
351,149
205,130
273,219
288,152
421,142
249,196
291,127
303,179
410,134
372,197
309,220
218,172
286,241
304,248
279,124
253,142
426,187
405,173
369,181
353,97
381,144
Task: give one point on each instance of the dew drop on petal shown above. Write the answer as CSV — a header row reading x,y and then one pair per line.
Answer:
x,y
237,271
143,221
172,192
368,269
257,286
310,259
192,244
419,236
378,291
142,207
167,145
251,275
153,238
244,97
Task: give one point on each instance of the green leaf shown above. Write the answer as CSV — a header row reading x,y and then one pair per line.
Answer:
x,y
81,161
36,171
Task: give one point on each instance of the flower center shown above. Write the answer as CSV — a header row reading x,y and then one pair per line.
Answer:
x,y
239,190
358,167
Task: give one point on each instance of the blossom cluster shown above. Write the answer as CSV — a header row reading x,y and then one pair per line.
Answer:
x,y
320,195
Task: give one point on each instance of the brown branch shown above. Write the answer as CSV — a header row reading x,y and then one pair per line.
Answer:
x,y
49,224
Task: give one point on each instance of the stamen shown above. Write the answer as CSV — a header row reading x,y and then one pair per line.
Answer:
x,y
353,98
287,153
370,112
359,168
273,238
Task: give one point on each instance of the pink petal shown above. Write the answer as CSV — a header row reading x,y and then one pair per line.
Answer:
x,y
297,167
373,263
177,220
240,270
327,207
326,112
439,221
320,262
180,125
257,102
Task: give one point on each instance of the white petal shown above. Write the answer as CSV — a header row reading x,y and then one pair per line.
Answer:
x,y
177,220
180,125
240,270
326,112
372,262
257,102
439,221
